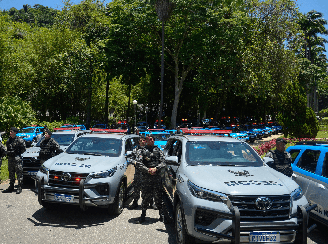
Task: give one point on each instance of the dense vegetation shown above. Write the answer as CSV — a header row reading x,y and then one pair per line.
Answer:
x,y
222,58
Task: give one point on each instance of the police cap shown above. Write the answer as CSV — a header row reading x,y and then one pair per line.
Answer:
x,y
281,140
14,129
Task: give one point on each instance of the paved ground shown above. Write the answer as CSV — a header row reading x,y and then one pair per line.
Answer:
x,y
23,220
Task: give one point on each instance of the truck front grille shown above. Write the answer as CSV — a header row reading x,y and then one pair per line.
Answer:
x,y
31,164
66,179
250,211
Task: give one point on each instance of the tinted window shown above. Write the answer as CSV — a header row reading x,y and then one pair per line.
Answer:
x,y
27,130
62,139
308,160
96,146
221,153
325,166
161,137
294,153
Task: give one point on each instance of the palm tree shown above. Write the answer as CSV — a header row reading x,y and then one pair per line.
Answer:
x,y
313,25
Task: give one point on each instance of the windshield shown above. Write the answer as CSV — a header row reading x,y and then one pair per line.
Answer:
x,y
222,154
27,130
161,137
62,139
96,146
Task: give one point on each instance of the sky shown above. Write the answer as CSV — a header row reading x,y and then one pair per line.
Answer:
x,y
304,6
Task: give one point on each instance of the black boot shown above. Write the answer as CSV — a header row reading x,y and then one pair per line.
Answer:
x,y
9,189
142,218
19,190
134,205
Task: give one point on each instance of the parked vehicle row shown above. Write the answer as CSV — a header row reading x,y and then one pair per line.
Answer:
x,y
216,187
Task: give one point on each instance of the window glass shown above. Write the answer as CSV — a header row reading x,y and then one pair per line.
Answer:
x,y
325,166
221,153
308,160
96,146
294,153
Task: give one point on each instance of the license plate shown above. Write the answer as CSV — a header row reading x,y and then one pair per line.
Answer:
x,y
63,197
271,237
32,173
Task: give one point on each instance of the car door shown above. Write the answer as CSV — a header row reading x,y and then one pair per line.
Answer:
x,y
130,144
306,174
321,184
172,149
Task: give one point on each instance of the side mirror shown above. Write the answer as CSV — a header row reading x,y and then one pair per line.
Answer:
x,y
172,160
128,156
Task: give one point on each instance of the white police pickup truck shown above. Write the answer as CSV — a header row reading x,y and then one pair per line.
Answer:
x,y
93,171
219,189
31,161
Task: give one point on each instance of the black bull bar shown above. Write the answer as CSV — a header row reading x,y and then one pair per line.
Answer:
x,y
82,198
302,225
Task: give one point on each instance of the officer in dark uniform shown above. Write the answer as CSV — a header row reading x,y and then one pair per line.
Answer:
x,y
150,163
3,153
15,148
137,174
49,147
282,161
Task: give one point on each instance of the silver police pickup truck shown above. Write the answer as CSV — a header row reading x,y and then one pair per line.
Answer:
x,y
219,189
93,171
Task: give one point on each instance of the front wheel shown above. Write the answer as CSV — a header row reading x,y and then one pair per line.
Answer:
x,y
117,207
182,236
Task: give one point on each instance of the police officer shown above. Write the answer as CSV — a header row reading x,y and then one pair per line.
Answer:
x,y
3,153
151,162
281,159
15,148
49,147
137,152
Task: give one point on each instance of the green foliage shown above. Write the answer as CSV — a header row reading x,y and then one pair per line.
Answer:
x,y
39,15
15,112
234,55
296,119
4,173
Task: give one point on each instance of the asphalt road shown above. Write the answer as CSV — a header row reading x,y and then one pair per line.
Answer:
x,y
23,220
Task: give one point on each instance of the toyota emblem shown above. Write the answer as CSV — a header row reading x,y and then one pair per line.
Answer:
x,y
66,176
263,203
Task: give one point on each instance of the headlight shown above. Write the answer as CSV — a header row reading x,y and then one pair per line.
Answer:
x,y
44,169
297,194
104,174
209,195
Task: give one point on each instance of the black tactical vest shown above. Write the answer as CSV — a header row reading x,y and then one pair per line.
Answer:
x,y
151,156
282,162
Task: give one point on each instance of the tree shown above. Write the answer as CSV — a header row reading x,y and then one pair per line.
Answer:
x,y
15,112
312,25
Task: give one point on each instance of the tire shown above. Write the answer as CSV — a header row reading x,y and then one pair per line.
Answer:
x,y
117,207
181,234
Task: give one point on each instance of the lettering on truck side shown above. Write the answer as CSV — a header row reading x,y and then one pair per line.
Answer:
x,y
252,182
74,164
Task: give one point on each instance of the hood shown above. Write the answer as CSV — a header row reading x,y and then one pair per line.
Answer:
x,y
241,180
81,163
34,151
31,152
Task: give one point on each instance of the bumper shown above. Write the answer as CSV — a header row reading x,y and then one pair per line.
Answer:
x,y
240,232
85,195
